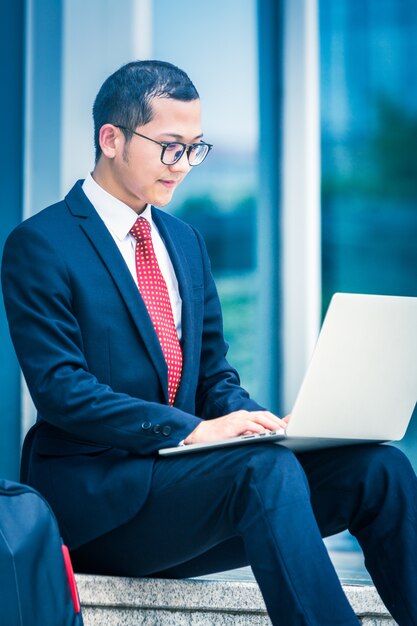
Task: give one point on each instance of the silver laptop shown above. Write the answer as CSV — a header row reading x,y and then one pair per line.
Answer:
x,y
361,384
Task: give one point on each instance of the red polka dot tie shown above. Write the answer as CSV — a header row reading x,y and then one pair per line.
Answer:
x,y
154,292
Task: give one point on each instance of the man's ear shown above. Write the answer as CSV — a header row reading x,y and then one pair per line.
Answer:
x,y
109,138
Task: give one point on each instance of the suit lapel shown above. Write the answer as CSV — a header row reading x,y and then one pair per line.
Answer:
x,y
95,229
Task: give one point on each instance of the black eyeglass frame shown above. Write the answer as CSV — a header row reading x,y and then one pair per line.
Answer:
x,y
165,144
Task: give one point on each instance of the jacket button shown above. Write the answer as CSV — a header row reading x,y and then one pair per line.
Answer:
x,y
157,428
146,425
166,430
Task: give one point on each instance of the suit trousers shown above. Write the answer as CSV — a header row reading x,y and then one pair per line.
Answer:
x,y
265,506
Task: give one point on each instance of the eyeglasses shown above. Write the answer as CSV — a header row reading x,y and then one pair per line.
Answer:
x,y
172,151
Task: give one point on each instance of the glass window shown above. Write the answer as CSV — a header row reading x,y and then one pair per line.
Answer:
x,y
369,149
219,52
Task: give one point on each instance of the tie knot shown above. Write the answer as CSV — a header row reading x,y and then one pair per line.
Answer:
x,y
141,229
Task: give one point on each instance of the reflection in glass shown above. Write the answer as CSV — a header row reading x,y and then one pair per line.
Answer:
x,y
219,199
369,150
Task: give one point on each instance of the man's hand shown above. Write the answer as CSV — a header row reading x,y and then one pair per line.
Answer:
x,y
235,424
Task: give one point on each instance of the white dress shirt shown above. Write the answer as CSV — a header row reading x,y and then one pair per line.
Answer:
x,y
119,219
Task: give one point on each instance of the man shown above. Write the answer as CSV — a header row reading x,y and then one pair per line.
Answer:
x,y
117,326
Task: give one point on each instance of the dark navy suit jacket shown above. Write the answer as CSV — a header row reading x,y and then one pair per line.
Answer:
x,y
95,368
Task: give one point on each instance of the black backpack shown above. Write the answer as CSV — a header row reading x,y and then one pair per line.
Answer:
x,y
37,586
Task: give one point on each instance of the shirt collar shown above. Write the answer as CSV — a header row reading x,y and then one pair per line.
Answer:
x,y
117,216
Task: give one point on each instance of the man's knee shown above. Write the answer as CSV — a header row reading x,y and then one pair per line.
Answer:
x,y
391,463
383,458
384,474
276,469
272,456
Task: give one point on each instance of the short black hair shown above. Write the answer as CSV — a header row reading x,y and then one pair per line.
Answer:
x,y
125,97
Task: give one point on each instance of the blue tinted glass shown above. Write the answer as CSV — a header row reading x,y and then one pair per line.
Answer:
x,y
369,149
369,146
219,196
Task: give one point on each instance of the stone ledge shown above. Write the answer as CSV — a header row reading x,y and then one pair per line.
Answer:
x,y
113,601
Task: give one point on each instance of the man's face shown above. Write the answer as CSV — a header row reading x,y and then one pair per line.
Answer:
x,y
138,177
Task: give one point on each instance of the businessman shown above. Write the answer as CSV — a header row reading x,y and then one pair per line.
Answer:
x,y
117,326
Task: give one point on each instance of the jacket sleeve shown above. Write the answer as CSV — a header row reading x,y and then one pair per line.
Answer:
x,y
48,342
219,391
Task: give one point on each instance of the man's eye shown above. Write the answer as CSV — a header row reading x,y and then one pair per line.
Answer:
x,y
174,147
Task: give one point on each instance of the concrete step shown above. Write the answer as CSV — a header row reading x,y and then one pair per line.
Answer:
x,y
113,601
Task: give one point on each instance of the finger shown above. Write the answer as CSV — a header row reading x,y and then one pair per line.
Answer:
x,y
253,428
268,420
283,421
